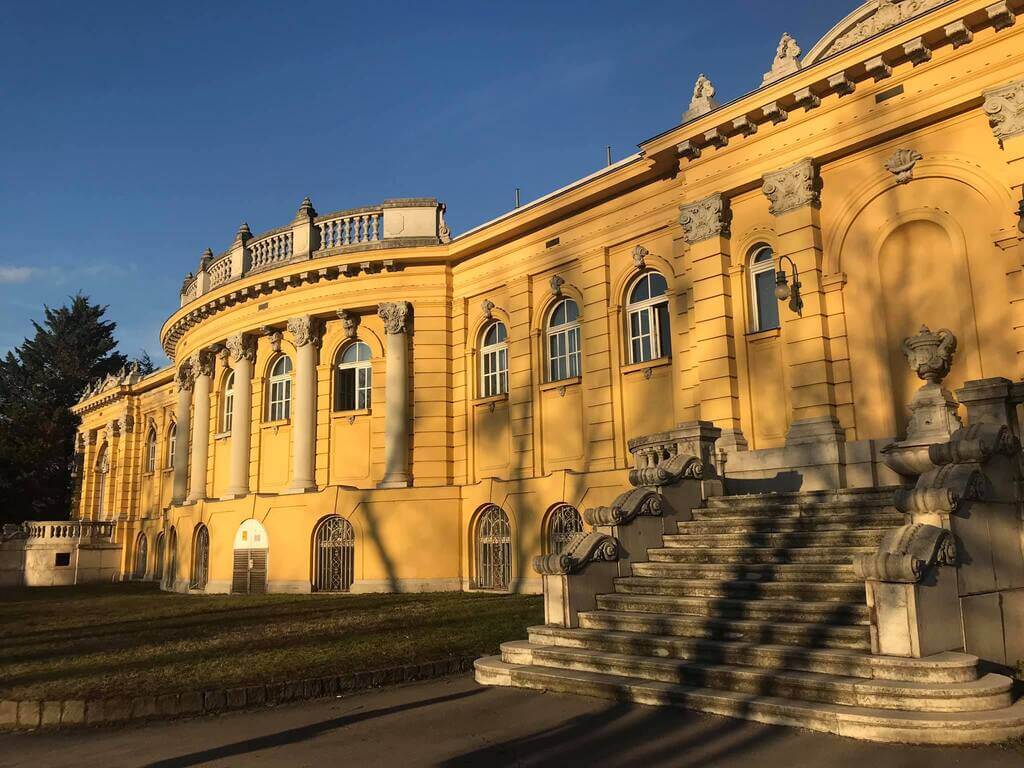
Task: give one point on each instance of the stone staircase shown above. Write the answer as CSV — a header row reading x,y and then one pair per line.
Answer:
x,y
753,610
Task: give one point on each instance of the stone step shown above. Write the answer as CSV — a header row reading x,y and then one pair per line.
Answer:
x,y
785,590
865,537
756,572
780,511
800,634
846,496
988,692
857,722
831,613
940,668
767,555
845,521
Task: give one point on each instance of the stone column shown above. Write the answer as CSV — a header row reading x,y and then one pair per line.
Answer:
x,y
706,227
306,335
396,418
795,194
202,369
242,351
182,418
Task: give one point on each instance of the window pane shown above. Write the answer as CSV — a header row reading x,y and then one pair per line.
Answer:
x,y
664,330
641,291
345,387
767,304
658,285
572,312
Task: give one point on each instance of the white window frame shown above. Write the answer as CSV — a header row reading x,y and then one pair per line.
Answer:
x,y
645,309
363,376
172,438
562,345
227,411
151,450
493,362
755,269
279,391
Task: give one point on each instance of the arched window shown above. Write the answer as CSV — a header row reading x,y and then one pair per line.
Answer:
x,y
227,410
158,551
564,341
647,318
102,471
494,360
141,555
492,538
764,305
200,558
172,558
172,438
279,400
334,549
353,378
151,450
564,522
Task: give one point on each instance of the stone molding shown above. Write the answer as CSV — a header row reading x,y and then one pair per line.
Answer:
x,y
706,218
239,346
582,549
636,502
901,164
1005,109
793,187
869,21
305,330
395,315
906,554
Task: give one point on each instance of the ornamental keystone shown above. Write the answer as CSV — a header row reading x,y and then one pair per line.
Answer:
x,y
705,218
901,164
793,187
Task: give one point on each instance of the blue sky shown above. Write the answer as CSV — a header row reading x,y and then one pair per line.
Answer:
x,y
134,135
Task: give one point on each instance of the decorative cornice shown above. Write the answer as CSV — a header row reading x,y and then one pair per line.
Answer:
x,y
886,14
241,345
705,218
793,187
395,315
305,330
1005,109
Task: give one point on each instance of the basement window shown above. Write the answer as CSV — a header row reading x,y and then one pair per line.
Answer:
x,y
62,559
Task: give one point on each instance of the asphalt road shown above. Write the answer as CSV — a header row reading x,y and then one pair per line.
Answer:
x,y
454,722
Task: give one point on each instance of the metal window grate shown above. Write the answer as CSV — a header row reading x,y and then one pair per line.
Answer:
x,y
564,524
494,549
334,547
201,559
141,555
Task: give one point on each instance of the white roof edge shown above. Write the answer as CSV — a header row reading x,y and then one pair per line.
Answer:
x,y
533,203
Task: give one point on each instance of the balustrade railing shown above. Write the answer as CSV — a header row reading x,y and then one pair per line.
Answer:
x,y
349,229
270,250
70,530
220,271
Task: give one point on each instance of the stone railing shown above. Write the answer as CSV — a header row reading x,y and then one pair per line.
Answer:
x,y
70,530
393,224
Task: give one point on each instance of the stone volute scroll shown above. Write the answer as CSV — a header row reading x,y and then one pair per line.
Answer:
x,y
637,502
793,188
582,549
395,315
787,60
703,99
241,346
905,554
706,218
305,330
1005,109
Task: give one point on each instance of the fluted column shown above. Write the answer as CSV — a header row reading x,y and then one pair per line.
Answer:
x,y
242,352
395,315
202,369
182,418
306,335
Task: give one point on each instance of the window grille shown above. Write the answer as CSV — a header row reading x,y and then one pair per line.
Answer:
x,y
493,549
564,523
200,559
334,547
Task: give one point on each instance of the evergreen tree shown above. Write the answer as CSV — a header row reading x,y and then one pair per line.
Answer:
x,y
39,382
144,363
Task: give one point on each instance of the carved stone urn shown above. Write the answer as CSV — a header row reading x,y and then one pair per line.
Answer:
x,y
933,410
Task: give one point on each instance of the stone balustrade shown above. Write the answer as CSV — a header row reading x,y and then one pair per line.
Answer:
x,y
399,223
70,530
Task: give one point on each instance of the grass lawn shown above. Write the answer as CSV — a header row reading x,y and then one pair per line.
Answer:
x,y
128,639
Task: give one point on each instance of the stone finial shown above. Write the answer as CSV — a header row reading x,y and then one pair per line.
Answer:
x,y
305,330
488,308
901,164
640,255
243,234
395,315
241,346
793,187
787,60
306,210
1005,109
929,354
444,234
703,100
556,285
349,322
205,259
705,218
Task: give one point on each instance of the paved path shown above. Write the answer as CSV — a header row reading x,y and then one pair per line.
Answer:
x,y
454,722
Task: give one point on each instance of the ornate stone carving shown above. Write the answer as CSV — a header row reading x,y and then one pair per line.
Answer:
x,y
275,336
444,234
1005,109
715,138
395,315
807,99
305,330
184,379
705,218
841,84
793,187
488,308
1000,15
744,126
583,548
918,51
688,149
905,554
627,506
933,411
202,362
126,377
930,355
942,490
640,255
901,164
878,68
703,99
958,34
306,210
679,467
239,346
775,113
884,15
977,443
556,285
349,323
205,259
787,60
243,235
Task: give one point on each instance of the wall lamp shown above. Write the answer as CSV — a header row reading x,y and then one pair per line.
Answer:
x,y
783,290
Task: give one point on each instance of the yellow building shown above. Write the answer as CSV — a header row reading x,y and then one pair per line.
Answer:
x,y
361,401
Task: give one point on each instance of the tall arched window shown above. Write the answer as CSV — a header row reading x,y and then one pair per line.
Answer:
x,y
102,471
151,450
172,438
564,522
647,318
279,399
764,305
172,558
494,360
492,538
200,558
158,552
141,555
334,550
227,410
563,335
353,378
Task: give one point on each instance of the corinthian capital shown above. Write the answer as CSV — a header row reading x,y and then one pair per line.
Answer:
x,y
1005,109
395,315
793,187
184,378
201,362
241,346
305,330
705,218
